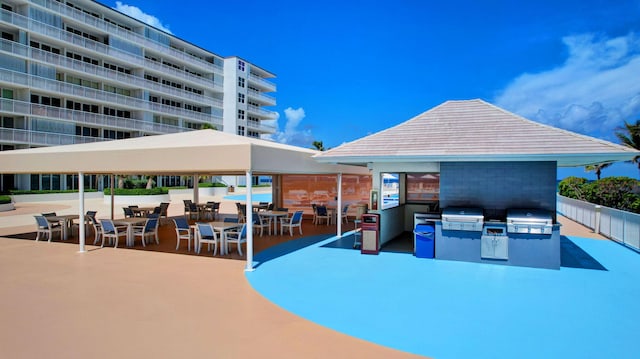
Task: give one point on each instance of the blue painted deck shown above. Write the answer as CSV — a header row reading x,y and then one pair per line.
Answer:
x,y
449,309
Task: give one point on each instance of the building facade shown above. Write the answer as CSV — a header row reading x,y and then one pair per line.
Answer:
x,y
77,72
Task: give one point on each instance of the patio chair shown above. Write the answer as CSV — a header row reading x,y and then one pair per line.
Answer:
x,y
237,238
97,228
49,214
135,214
291,222
112,232
242,211
187,206
322,214
315,212
183,231
344,214
47,228
210,210
164,206
231,220
149,229
282,209
260,222
270,207
128,213
206,234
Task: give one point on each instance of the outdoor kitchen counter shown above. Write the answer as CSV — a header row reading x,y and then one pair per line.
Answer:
x,y
524,249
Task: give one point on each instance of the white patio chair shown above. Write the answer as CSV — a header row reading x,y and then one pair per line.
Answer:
x,y
206,234
47,228
260,222
150,229
112,232
322,214
183,231
237,238
291,222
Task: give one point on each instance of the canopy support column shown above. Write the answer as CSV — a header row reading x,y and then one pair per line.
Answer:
x,y
249,223
196,191
81,219
111,184
339,207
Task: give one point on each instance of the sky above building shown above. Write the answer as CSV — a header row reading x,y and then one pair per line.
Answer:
x,y
346,69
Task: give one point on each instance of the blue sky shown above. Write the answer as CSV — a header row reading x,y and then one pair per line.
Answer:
x,y
346,69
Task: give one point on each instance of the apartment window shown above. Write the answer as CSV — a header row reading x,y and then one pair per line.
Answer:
x,y
7,36
7,122
253,134
240,82
240,98
240,114
241,65
241,130
7,7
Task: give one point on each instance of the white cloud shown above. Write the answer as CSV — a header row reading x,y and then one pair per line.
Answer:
x,y
292,133
593,92
138,14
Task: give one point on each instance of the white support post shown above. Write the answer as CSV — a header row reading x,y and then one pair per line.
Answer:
x,y
113,179
249,223
196,192
598,215
339,205
81,225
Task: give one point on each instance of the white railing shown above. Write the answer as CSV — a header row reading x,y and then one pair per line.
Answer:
x,y
18,136
255,110
620,226
269,86
268,100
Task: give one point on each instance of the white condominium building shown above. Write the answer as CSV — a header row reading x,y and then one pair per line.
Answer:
x,y
78,71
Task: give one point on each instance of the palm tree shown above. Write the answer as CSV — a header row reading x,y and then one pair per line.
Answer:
x,y
629,135
318,145
597,168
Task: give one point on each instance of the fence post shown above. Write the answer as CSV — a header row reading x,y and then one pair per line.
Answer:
x,y
597,224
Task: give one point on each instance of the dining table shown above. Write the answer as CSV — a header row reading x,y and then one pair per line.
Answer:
x,y
129,223
142,211
273,217
65,220
222,228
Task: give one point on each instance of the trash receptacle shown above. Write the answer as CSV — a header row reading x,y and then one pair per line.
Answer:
x,y
424,240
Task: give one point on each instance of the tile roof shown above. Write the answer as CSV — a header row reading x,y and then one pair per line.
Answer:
x,y
474,130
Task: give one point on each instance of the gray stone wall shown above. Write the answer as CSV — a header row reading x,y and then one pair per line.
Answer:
x,y
497,186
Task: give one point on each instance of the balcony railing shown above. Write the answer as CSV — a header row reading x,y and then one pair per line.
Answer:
x,y
268,86
260,126
255,110
620,226
103,49
121,77
110,28
64,88
260,96
85,118
36,138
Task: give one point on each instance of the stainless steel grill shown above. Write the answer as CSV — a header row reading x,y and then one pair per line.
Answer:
x,y
532,221
462,219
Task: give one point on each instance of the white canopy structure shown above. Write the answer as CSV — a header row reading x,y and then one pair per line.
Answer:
x,y
203,152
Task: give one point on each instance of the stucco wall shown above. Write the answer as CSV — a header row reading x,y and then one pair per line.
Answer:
x,y
498,185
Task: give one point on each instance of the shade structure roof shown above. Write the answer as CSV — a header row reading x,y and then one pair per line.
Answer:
x,y
474,130
185,153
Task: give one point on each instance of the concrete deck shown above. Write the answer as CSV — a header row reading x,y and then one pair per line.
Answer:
x,y
107,303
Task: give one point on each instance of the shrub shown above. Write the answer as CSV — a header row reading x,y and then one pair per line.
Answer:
x,y
614,192
5,199
572,187
136,191
209,184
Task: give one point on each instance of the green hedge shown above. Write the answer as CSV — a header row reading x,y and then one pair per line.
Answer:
x,y
614,192
5,199
136,191
209,184
17,192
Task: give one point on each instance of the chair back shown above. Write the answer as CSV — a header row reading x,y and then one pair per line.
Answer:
x,y
193,207
164,206
42,222
345,209
154,215
243,232
50,214
282,209
206,231
181,223
107,226
133,206
151,225
230,220
321,210
270,207
157,210
92,214
216,205
127,212
297,217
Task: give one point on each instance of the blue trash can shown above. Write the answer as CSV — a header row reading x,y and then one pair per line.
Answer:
x,y
424,235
